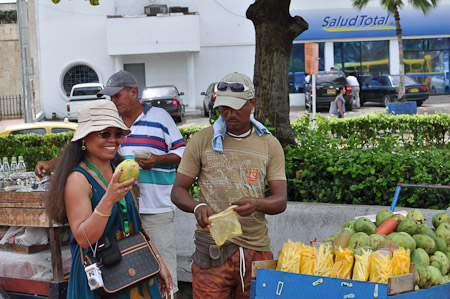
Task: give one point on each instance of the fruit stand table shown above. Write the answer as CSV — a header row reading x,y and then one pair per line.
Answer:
x,y
270,283
278,284
27,209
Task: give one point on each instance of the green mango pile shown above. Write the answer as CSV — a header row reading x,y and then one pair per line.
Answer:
x,y
429,246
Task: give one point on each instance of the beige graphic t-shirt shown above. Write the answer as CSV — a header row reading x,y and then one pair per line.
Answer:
x,y
240,171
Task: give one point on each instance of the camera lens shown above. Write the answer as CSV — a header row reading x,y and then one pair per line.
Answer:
x,y
92,281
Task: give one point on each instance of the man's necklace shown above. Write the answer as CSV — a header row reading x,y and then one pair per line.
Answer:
x,y
242,136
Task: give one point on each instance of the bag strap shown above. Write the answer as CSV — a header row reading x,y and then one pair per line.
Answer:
x,y
94,251
144,232
123,203
147,236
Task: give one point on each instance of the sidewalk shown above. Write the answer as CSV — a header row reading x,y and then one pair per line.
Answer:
x,y
435,103
8,122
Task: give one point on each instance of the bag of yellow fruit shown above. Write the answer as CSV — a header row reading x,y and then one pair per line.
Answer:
x,y
400,262
361,270
323,263
343,263
307,258
380,266
289,259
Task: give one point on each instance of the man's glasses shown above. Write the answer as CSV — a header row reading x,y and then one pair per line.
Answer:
x,y
235,87
107,134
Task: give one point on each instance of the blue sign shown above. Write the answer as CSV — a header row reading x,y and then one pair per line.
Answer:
x,y
372,22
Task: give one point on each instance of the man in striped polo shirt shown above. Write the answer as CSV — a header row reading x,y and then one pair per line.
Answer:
x,y
153,131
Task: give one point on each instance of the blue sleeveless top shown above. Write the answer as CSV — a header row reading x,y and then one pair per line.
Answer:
x,y
78,285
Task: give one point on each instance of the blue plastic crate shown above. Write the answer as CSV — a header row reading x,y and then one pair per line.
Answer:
x,y
279,284
402,108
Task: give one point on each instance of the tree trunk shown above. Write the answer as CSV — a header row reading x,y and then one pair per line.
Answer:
x,y
275,31
401,90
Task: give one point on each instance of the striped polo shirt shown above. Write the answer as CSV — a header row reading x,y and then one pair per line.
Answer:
x,y
156,132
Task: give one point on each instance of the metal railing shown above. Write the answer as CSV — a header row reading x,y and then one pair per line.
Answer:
x,y
11,107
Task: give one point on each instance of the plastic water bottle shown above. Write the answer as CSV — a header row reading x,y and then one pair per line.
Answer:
x,y
13,166
6,168
21,165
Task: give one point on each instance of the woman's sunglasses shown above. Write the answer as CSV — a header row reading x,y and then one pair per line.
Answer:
x,y
107,134
235,87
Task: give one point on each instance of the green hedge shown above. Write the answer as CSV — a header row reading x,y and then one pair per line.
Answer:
x,y
33,147
363,165
372,154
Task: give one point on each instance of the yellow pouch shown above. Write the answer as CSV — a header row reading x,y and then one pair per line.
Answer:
x,y
380,266
289,259
400,262
307,257
343,264
361,269
323,262
225,225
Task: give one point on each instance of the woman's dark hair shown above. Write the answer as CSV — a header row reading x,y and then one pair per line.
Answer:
x,y
54,199
339,88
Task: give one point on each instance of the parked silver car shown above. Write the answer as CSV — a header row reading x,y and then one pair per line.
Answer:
x,y
440,84
167,97
209,99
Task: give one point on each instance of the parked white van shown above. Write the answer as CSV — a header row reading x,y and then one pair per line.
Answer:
x,y
80,95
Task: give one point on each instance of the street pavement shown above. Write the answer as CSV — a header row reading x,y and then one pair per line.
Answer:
x,y
436,103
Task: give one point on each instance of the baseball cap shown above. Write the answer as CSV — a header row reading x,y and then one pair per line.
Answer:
x,y
235,99
96,116
117,82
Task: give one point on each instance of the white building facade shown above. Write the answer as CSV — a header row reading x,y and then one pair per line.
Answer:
x,y
202,40
79,42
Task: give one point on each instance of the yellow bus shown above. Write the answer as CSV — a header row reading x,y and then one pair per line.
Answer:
x,y
419,68
367,67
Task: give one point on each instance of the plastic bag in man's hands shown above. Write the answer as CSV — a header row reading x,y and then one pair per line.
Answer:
x,y
225,225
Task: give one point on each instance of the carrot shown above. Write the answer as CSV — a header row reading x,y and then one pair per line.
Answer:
x,y
387,227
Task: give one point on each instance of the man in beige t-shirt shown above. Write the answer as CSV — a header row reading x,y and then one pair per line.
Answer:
x,y
232,160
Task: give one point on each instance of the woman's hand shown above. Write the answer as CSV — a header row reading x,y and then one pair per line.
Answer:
x,y
116,191
164,279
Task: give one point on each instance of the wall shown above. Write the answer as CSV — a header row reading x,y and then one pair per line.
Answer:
x,y
10,70
70,32
10,75
73,32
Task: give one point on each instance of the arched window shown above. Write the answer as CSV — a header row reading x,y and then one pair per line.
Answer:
x,y
78,74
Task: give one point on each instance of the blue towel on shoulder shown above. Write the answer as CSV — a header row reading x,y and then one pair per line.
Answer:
x,y
220,130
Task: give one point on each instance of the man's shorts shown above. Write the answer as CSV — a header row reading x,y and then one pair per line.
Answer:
x,y
221,282
160,229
